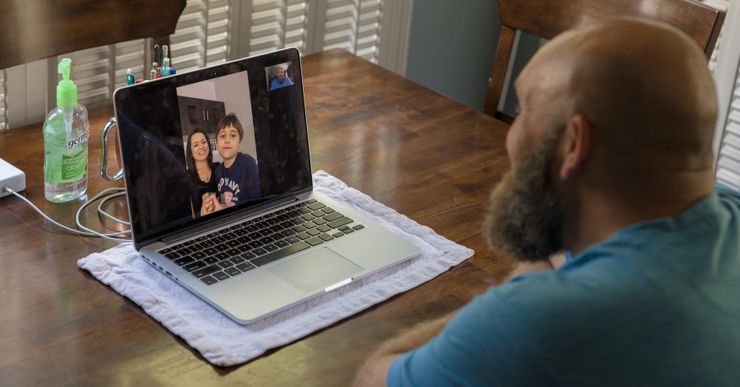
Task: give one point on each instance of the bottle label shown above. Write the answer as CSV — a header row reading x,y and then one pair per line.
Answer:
x,y
74,166
66,158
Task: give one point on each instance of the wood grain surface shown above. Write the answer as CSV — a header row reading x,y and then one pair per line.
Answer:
x,y
406,146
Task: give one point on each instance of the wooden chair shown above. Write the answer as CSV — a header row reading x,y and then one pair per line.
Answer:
x,y
36,29
548,18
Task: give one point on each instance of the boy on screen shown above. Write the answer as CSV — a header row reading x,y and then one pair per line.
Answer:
x,y
237,178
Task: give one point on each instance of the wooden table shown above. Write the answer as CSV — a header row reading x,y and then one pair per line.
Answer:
x,y
406,146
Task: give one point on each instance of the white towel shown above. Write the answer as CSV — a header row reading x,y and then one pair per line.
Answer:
x,y
225,343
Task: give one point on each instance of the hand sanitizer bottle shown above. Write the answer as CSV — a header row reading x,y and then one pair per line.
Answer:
x,y
66,130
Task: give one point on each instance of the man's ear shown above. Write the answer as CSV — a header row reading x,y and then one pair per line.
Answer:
x,y
575,146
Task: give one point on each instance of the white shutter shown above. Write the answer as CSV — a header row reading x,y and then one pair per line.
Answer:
x,y
3,126
129,55
275,24
728,163
354,25
213,31
91,72
202,35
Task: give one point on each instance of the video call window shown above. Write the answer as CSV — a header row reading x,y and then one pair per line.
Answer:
x,y
279,76
219,143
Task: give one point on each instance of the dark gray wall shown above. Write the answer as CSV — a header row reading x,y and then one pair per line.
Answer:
x,y
452,45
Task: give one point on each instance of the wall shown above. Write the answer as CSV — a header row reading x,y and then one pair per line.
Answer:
x,y
451,48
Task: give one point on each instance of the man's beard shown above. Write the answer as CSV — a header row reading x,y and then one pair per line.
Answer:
x,y
525,217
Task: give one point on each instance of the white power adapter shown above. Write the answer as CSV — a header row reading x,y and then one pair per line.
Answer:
x,y
11,177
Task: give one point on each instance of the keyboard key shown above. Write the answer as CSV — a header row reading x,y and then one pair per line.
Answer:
x,y
194,266
172,255
319,221
226,263
199,255
246,255
259,251
358,227
340,222
236,260
327,210
275,255
207,243
299,228
282,244
210,251
233,243
314,241
310,201
218,240
221,275
232,271
221,247
210,260
324,228
310,225
293,239
338,234
348,230
164,251
270,247
308,217
245,266
229,236
326,237
266,239
303,235
206,271
208,280
243,239
221,256
184,261
318,213
184,251
333,216
313,232
244,248
255,244
316,206
233,252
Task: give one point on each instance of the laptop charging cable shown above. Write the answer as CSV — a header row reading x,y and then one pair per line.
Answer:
x,y
103,196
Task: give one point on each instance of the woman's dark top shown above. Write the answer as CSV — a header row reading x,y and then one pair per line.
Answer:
x,y
203,187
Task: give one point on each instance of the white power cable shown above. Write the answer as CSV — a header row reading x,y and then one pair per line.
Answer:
x,y
114,236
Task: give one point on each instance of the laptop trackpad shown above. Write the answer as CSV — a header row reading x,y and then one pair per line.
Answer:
x,y
315,270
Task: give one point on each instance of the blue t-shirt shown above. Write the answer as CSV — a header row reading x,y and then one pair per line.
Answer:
x,y
657,304
239,182
275,84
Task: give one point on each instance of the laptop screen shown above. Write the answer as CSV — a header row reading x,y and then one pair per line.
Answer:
x,y
212,142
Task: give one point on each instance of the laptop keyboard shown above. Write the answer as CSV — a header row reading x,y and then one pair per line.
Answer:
x,y
231,251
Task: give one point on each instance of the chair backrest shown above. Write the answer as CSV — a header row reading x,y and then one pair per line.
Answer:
x,y
37,29
548,18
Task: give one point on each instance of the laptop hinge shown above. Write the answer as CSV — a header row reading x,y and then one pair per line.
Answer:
x,y
237,216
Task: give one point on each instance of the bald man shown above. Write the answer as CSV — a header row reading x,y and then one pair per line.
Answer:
x,y
611,162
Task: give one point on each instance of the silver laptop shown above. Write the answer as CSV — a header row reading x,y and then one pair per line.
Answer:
x,y
219,189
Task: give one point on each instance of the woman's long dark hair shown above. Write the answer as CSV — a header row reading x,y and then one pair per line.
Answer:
x,y
189,153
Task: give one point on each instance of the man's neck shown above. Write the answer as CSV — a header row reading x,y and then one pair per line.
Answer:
x,y
602,213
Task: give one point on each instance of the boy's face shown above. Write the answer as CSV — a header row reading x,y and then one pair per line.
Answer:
x,y
227,142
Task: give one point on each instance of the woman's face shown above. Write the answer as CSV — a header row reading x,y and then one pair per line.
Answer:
x,y
199,147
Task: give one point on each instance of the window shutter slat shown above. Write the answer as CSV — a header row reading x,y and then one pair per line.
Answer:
x,y
728,164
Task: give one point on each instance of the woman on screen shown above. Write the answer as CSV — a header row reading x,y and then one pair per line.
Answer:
x,y
201,166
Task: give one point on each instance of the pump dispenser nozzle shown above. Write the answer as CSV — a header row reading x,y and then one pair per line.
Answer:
x,y
66,89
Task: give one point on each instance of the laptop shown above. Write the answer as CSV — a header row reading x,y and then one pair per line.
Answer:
x,y
220,195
